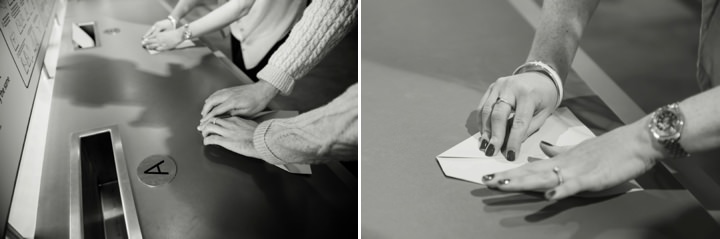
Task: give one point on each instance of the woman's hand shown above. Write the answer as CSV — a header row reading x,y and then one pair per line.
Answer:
x,y
234,134
244,100
593,165
159,26
531,95
164,41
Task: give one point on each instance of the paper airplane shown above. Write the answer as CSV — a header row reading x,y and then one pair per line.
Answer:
x,y
466,162
183,44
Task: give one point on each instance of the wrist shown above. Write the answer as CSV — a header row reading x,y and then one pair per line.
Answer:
x,y
648,147
173,21
267,88
545,89
185,32
539,66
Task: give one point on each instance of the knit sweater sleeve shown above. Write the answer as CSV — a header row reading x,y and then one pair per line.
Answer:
x,y
323,24
327,133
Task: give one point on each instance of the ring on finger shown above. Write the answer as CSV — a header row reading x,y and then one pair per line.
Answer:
x,y
556,170
501,100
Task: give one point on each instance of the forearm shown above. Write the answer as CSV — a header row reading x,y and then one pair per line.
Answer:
x,y
323,24
183,7
702,127
220,17
701,131
559,32
323,134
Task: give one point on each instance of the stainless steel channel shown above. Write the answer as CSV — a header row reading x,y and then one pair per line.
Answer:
x,y
101,199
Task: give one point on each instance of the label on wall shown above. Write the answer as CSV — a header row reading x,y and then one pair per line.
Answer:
x,y
23,26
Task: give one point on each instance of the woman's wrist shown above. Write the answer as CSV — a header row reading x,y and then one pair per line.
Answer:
x,y
267,88
545,69
646,146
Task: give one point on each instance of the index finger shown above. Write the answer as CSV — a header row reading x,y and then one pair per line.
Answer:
x,y
219,109
212,101
480,109
521,122
149,32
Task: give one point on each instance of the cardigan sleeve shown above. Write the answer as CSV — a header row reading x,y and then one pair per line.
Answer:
x,y
327,133
323,24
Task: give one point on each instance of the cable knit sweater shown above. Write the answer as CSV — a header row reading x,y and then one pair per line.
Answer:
x,y
328,132
323,24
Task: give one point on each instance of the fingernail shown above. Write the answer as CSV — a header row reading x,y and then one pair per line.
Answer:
x,y
490,150
546,143
511,155
549,194
504,181
488,177
483,144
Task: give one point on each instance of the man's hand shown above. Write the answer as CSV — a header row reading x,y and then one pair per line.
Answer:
x,y
164,41
234,134
244,100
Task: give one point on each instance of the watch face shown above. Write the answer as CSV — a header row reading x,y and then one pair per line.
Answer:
x,y
666,124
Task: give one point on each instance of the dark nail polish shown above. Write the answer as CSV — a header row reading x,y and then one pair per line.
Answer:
x,y
546,143
504,181
490,150
488,177
483,144
511,155
549,194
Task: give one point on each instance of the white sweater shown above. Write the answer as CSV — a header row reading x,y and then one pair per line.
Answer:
x,y
328,132
323,24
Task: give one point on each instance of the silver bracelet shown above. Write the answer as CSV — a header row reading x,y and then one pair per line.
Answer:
x,y
173,21
539,66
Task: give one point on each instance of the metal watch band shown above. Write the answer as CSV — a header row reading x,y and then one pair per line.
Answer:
x,y
674,148
187,34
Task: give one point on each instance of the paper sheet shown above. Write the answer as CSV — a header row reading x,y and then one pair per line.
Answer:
x,y
183,44
266,115
466,162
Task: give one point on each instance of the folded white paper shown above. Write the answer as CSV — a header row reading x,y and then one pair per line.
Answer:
x,y
465,161
183,44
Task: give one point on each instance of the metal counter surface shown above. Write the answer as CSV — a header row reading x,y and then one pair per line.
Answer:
x,y
425,67
155,100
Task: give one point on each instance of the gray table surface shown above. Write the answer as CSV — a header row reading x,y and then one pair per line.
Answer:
x,y
423,73
155,101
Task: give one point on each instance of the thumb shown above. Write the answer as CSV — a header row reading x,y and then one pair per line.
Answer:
x,y
552,150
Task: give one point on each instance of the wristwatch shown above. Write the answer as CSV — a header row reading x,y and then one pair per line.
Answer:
x,y
187,34
666,125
